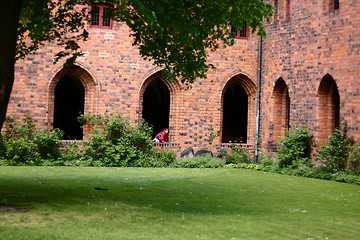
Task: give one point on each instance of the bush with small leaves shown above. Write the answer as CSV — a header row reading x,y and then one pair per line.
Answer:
x,y
335,153
114,142
295,149
23,144
205,161
238,154
354,159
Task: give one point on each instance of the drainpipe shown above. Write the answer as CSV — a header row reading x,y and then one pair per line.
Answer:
x,y
257,136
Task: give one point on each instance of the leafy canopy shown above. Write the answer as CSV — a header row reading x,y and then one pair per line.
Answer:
x,y
177,35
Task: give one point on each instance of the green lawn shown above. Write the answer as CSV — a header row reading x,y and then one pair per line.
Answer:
x,y
61,203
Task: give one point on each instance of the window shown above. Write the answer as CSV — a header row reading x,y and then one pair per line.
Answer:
x,y
243,33
287,8
276,7
99,16
334,5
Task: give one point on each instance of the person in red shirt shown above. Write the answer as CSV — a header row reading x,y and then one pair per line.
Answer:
x,y
162,136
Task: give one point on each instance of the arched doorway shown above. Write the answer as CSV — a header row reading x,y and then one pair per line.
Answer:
x,y
68,105
235,113
156,105
329,108
281,109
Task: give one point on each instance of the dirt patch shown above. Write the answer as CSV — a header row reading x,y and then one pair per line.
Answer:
x,y
11,209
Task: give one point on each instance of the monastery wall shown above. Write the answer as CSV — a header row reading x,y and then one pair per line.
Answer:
x,y
310,77
313,51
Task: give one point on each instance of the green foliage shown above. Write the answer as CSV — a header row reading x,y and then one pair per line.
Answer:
x,y
265,159
176,34
22,144
60,21
115,142
70,156
295,149
161,158
336,152
354,159
206,161
238,154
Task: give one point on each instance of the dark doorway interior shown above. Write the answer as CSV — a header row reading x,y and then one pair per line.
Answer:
x,y
69,103
336,106
156,105
235,114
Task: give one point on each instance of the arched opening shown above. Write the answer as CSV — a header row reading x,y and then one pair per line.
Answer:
x,y
156,105
235,114
281,106
329,108
69,103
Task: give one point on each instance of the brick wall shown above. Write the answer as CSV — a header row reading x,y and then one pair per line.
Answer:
x,y
115,78
313,44
306,41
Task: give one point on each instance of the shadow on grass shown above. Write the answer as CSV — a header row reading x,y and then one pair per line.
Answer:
x,y
168,193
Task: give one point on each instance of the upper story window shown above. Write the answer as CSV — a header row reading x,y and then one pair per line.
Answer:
x,y
287,10
276,9
243,33
99,16
335,4
281,10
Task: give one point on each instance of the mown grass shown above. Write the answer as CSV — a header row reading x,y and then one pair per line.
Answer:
x,y
161,203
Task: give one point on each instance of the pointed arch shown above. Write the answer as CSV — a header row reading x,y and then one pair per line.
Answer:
x,y
281,109
72,90
158,99
238,109
328,108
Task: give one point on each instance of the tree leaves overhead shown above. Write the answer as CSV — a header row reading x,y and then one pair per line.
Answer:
x,y
177,35
62,22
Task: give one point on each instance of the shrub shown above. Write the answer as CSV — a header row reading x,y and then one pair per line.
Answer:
x,y
354,159
114,142
336,152
161,158
206,161
22,144
295,149
266,160
238,154
70,156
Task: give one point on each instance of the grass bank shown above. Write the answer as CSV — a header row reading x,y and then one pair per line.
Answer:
x,y
162,203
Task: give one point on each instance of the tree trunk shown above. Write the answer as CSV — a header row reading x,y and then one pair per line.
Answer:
x,y
9,20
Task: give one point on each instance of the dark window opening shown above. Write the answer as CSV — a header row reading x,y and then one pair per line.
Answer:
x,y
336,107
100,16
243,33
287,10
69,104
336,4
156,105
235,114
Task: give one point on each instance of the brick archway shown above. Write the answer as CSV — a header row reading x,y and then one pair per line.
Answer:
x,y
79,76
281,109
174,100
238,110
328,108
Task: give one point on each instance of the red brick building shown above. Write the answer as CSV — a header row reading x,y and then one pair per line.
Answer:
x,y
308,76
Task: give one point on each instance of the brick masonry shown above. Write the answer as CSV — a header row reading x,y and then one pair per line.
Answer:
x,y
306,42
